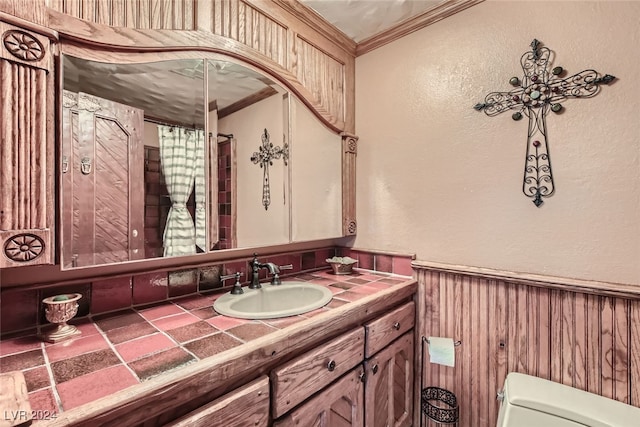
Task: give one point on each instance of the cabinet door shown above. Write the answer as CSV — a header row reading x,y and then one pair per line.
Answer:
x,y
389,387
26,148
339,405
102,176
247,406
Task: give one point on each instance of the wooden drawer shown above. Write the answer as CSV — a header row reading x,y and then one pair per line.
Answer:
x,y
300,378
246,406
383,330
340,404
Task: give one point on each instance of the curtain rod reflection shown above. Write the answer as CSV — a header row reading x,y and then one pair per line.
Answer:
x,y
174,125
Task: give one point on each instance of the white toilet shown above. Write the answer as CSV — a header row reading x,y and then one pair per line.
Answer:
x,y
534,402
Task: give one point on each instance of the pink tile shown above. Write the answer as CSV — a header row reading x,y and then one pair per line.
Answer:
x,y
95,385
283,322
378,285
161,362
322,255
334,303
350,296
192,331
21,361
111,294
308,260
204,313
235,267
365,260
315,312
402,266
139,347
172,322
75,346
37,378
183,282
365,290
383,263
224,322
85,326
391,281
18,310
195,301
19,344
159,311
44,402
151,287
335,290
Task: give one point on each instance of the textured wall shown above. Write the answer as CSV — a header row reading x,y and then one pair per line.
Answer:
x,y
440,179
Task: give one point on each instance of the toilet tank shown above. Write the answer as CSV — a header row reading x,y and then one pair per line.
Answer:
x,y
529,401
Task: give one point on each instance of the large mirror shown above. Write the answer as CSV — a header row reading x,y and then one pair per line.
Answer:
x,y
184,156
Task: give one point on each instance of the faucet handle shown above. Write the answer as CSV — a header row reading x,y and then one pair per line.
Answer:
x,y
275,280
237,287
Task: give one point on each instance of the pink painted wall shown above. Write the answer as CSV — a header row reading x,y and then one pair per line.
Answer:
x,y
438,178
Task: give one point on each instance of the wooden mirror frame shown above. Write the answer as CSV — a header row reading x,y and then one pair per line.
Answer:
x,y
334,110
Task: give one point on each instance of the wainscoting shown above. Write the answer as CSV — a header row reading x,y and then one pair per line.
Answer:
x,y
579,333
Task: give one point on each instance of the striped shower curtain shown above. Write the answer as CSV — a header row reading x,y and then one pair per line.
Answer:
x,y
179,158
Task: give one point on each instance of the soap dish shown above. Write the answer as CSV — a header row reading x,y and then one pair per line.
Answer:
x,y
342,265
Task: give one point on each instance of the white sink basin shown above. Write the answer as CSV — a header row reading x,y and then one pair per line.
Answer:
x,y
287,299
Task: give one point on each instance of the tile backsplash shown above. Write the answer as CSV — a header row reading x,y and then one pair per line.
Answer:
x,y
21,310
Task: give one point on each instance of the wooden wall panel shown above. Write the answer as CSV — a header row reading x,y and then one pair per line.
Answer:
x,y
26,152
321,74
587,341
142,14
244,23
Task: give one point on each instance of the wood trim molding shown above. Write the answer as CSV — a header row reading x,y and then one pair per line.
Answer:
x,y
443,10
28,25
618,290
349,153
245,102
311,18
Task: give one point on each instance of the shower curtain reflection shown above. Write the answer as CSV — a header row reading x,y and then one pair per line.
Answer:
x,y
181,155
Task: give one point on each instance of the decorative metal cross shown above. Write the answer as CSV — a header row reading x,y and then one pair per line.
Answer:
x,y
537,93
264,157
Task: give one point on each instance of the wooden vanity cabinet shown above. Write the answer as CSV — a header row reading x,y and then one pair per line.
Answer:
x,y
378,392
388,394
246,406
26,147
389,349
297,380
339,405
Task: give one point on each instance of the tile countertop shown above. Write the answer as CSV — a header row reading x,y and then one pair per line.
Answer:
x,y
126,348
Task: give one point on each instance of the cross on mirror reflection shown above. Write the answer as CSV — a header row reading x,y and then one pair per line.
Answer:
x,y
539,91
265,155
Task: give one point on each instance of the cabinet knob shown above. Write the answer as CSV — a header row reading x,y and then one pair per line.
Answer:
x,y
374,369
396,326
362,377
331,365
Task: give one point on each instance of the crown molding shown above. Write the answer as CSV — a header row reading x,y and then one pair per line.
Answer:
x,y
314,20
443,10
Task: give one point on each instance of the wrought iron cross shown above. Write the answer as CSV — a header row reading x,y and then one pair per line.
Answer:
x,y
265,155
537,93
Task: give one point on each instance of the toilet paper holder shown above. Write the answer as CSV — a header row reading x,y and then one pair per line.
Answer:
x,y
455,343
437,404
